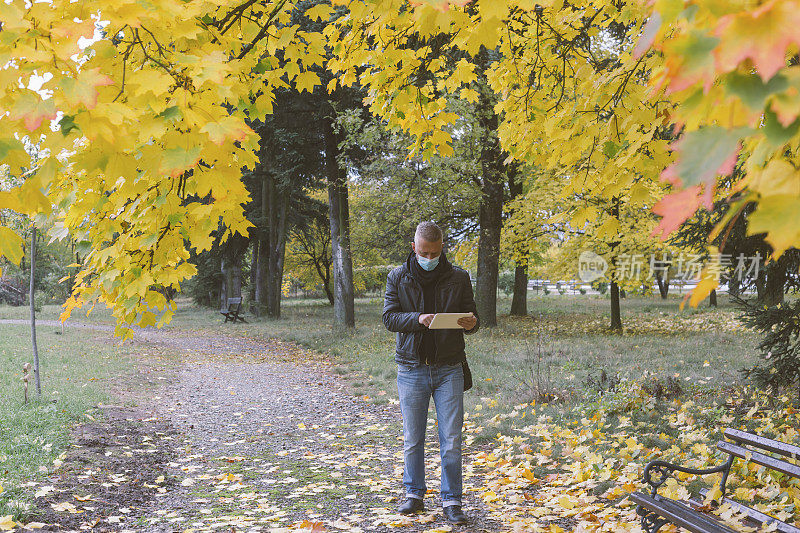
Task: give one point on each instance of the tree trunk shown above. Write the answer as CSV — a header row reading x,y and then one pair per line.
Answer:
x,y
277,202
489,254
281,254
663,285
33,314
712,299
734,286
231,279
339,213
775,282
323,267
261,277
224,285
519,303
616,317
760,282
251,289
235,280
263,252
491,214
616,293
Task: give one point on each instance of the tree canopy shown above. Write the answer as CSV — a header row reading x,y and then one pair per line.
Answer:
x,y
127,124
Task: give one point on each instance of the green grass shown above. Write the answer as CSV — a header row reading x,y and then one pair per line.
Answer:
x,y
76,369
697,347
702,349
500,357
99,315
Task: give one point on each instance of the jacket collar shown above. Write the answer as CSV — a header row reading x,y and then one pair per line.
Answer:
x,y
444,264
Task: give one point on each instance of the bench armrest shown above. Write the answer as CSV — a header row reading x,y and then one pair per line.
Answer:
x,y
657,472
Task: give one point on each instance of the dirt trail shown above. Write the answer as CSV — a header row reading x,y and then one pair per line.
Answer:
x,y
241,435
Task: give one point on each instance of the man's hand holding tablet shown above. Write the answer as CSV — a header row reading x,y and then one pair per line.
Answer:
x,y
452,321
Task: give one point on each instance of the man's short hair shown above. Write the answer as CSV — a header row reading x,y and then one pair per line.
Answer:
x,y
428,231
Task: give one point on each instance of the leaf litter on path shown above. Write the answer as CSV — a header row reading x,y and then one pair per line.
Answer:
x,y
255,441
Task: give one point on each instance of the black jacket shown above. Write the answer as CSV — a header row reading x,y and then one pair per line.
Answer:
x,y
403,305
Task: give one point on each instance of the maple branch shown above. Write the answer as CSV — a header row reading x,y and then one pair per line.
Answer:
x,y
264,30
146,54
235,11
618,93
562,85
125,56
589,160
516,68
160,48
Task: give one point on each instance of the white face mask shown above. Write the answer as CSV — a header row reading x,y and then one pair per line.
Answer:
x,y
428,264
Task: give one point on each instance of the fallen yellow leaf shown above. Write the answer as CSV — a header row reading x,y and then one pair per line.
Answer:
x,y
566,502
7,523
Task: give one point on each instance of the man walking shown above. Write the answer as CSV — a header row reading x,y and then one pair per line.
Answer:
x,y
429,362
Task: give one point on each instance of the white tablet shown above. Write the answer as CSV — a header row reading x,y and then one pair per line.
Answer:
x,y
447,320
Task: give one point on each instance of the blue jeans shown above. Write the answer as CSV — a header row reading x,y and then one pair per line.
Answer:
x,y
415,386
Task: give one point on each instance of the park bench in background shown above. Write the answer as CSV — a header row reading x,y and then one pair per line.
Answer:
x,y
232,312
657,510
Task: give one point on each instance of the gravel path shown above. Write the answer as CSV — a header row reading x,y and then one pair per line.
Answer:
x,y
258,435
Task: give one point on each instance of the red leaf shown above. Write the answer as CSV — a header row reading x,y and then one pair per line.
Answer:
x,y
677,207
763,35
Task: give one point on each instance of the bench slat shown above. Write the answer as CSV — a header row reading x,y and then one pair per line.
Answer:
x,y
757,516
782,448
681,515
759,458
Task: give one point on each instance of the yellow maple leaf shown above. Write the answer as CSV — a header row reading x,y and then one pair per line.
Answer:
x,y
566,502
712,495
10,245
7,523
82,90
306,81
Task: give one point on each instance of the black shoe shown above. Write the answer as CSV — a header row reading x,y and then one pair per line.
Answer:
x,y
411,505
454,514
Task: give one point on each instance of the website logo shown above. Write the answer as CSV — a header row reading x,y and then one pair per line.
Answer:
x,y
591,266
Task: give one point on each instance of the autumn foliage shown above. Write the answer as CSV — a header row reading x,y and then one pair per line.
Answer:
x,y
128,124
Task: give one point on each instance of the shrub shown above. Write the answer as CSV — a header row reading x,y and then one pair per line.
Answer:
x,y
626,396
505,282
602,383
535,372
780,345
663,388
601,286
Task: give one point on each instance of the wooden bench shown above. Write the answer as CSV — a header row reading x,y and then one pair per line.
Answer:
x,y
656,510
232,312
